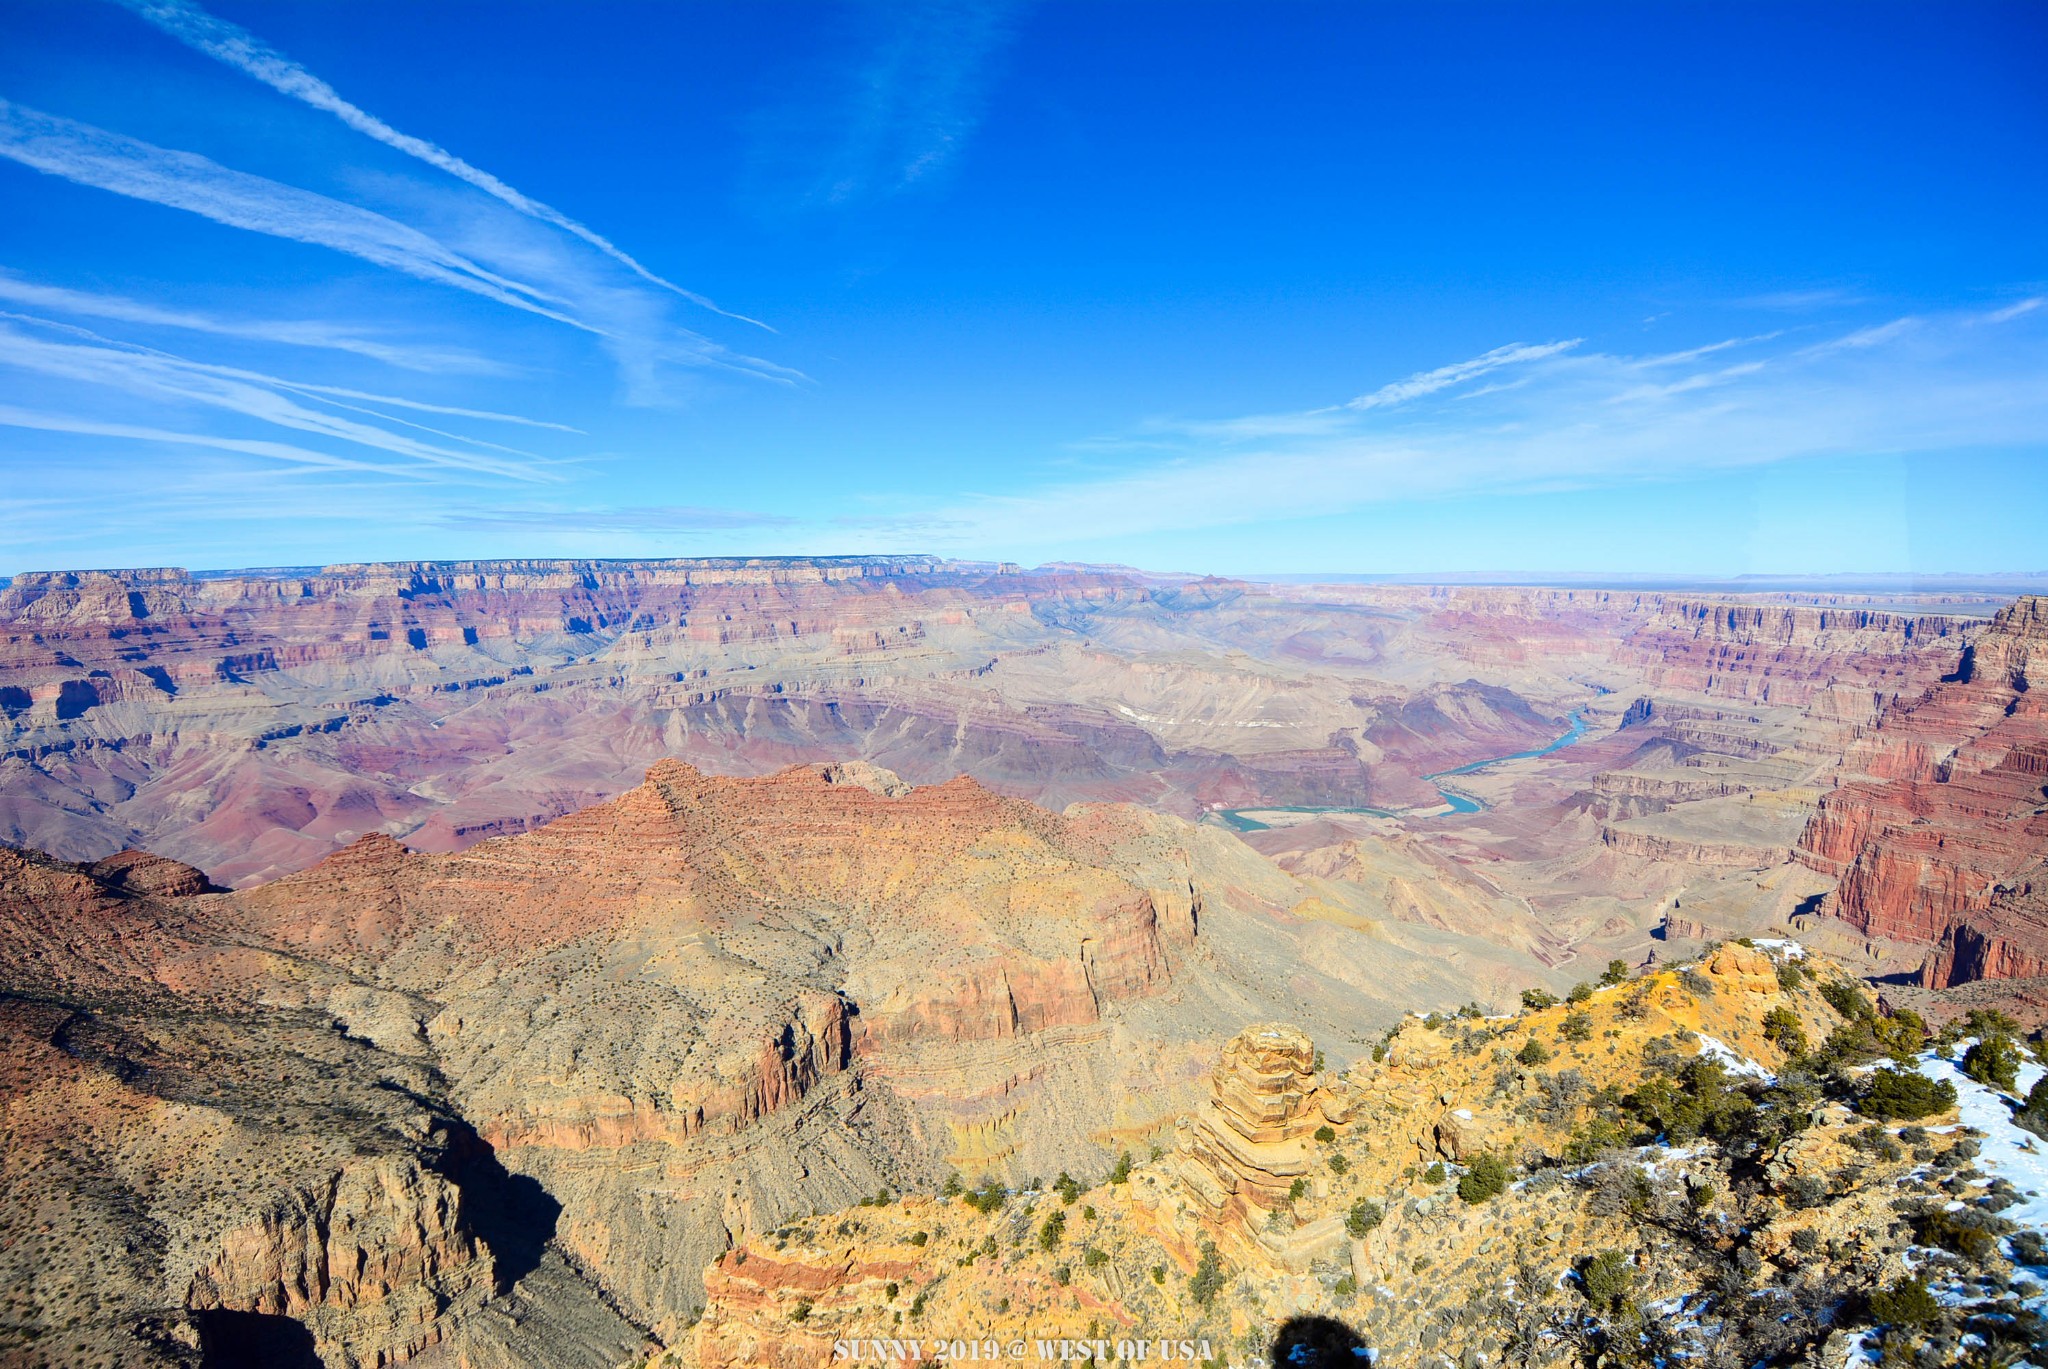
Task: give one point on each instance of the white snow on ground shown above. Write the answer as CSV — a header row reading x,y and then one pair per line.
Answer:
x,y
1790,950
1736,1064
2009,1152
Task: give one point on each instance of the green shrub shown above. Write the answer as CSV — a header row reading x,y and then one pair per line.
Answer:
x,y
1533,1052
1487,1176
1781,1025
1905,1095
1616,972
1068,1187
1993,1062
1339,1165
1969,1233
1121,1172
1903,1035
1535,1000
1790,976
1055,1227
1848,1000
1159,1274
1325,1135
1578,1026
1906,1303
801,1312
989,1197
1346,1287
1094,1258
1208,1278
1581,993
1607,1281
1296,1189
1365,1214
1434,1174
2034,1116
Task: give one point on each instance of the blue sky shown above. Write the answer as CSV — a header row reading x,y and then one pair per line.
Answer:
x,y
1676,289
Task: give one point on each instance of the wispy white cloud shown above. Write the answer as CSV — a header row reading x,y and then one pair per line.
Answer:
x,y
1802,301
1444,377
1576,419
163,378
184,180
628,321
670,518
2013,311
239,48
290,332
891,121
12,416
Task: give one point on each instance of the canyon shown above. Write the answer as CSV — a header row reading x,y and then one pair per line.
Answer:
x,y
547,962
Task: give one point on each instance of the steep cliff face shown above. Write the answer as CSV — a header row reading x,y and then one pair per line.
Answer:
x,y
378,1261
1941,834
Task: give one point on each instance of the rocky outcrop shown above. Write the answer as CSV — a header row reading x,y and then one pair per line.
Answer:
x,y
377,1261
1940,831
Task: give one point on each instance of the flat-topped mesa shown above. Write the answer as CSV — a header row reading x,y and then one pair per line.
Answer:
x,y
1239,1156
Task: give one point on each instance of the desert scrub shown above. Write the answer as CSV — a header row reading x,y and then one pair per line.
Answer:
x,y
1209,1277
1782,1028
1365,1214
1905,1095
1993,1062
1487,1177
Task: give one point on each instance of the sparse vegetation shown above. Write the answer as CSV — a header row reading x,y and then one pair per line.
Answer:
x,y
1053,1228
1904,1095
1907,1303
1607,1281
1993,1062
1487,1177
1209,1277
1783,1028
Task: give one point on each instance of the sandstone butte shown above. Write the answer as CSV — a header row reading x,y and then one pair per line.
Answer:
x,y
1336,1193
506,1105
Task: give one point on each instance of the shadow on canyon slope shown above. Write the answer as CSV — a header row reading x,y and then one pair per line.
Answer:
x,y
1318,1343
253,1340
511,1213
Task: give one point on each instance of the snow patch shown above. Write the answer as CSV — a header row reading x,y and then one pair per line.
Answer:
x,y
1720,1050
2007,1151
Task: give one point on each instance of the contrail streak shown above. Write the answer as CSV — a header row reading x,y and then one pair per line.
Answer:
x,y
239,48
185,180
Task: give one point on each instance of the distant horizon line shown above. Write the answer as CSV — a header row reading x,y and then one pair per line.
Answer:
x,y
1888,582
